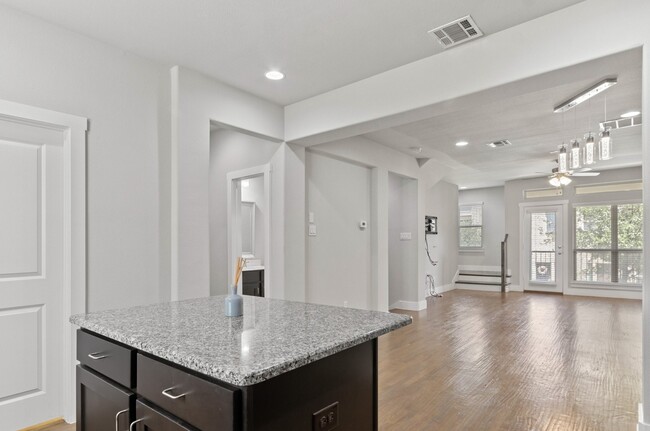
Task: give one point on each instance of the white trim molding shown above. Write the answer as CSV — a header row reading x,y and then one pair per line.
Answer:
x,y
642,426
74,228
409,305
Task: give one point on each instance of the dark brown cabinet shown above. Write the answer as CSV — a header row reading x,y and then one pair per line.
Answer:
x,y
102,405
338,391
253,282
149,418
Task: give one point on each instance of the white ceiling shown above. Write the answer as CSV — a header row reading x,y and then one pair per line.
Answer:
x,y
319,45
523,113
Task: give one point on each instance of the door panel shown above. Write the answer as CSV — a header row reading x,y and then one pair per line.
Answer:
x,y
31,273
543,249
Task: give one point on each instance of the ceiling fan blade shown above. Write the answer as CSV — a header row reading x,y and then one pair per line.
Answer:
x,y
585,174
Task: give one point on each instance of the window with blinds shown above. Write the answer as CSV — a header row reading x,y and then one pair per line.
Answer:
x,y
470,224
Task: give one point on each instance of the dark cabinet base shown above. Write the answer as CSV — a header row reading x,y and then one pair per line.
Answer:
x,y
336,392
289,401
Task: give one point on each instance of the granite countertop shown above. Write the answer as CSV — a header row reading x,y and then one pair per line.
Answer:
x,y
272,337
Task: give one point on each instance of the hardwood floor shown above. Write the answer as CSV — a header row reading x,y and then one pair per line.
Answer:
x,y
481,361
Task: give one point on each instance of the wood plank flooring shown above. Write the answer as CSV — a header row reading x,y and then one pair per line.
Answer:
x,y
479,361
483,361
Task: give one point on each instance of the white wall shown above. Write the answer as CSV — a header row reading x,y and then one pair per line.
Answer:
x,y
514,195
48,67
494,226
402,254
338,257
442,202
196,102
229,151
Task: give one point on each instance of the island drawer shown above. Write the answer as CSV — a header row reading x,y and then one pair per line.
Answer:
x,y
202,403
151,419
106,357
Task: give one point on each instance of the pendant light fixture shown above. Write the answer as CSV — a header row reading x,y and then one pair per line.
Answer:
x,y
605,146
574,159
562,160
589,151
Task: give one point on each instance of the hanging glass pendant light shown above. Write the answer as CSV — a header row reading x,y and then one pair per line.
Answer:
x,y
605,146
562,160
574,159
589,151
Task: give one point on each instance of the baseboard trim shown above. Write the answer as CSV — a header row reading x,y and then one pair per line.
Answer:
x,y
445,288
481,287
603,293
642,426
43,425
516,288
409,305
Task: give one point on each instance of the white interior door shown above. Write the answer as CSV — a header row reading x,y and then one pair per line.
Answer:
x,y
31,274
543,263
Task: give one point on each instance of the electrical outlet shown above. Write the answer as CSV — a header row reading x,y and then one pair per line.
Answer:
x,y
405,236
312,229
326,419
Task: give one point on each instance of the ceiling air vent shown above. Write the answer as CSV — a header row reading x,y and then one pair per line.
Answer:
x,y
499,144
456,32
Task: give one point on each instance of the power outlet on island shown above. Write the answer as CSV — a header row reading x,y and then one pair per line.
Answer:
x,y
326,419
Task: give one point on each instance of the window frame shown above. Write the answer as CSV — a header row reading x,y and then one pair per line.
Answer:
x,y
471,249
614,250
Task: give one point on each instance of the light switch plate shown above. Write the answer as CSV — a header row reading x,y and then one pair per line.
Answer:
x,y
312,229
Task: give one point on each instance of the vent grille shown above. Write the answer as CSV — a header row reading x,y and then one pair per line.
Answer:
x,y
499,144
621,123
459,31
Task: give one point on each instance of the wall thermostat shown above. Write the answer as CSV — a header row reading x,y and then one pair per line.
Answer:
x,y
363,224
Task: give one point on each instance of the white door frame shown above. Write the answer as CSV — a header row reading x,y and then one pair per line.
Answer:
x,y
74,227
523,271
234,219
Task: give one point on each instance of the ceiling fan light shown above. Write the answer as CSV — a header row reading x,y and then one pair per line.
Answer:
x,y
605,146
564,180
574,161
555,182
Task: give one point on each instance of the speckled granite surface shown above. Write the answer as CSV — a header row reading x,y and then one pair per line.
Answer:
x,y
271,338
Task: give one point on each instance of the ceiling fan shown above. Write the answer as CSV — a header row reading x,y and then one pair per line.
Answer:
x,y
559,179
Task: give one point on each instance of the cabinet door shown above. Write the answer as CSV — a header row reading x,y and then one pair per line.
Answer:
x,y
149,418
102,405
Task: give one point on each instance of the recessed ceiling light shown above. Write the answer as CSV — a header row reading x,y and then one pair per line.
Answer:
x,y
630,114
462,187
274,75
462,143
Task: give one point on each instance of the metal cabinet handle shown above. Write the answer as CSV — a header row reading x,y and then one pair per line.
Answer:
x,y
173,397
117,419
97,355
135,422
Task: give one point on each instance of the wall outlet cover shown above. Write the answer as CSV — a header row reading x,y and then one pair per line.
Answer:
x,y
405,236
312,229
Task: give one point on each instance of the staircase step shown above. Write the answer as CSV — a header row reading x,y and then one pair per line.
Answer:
x,y
481,273
484,283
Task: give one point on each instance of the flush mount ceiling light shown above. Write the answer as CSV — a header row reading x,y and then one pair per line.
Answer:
x,y
274,75
585,95
462,143
630,114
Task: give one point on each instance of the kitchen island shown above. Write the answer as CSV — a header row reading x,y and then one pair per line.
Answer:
x,y
185,366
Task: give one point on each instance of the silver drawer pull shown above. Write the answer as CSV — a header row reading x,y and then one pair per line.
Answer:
x,y
134,423
173,397
117,419
97,355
